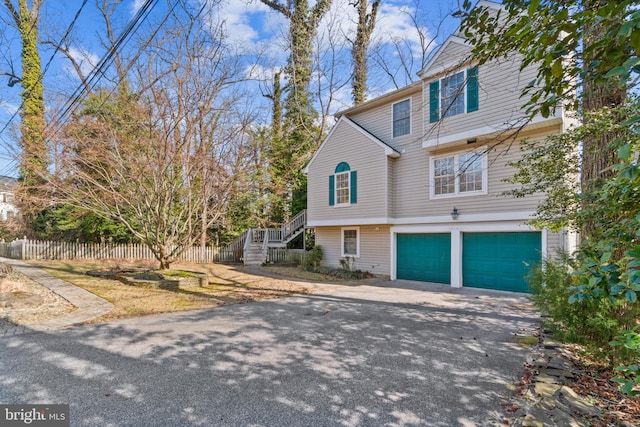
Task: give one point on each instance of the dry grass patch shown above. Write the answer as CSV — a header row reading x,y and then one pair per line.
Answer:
x,y
25,302
300,273
227,285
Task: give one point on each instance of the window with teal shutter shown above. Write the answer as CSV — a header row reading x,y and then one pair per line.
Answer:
x,y
447,95
343,186
472,89
354,187
332,190
434,101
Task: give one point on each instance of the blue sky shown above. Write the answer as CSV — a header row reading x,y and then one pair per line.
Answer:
x,y
249,24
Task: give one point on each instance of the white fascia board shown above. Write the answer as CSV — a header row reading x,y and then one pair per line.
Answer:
x,y
463,218
348,222
487,130
489,218
465,227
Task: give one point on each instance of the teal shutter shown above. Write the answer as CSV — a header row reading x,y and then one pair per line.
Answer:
x,y
472,89
354,187
434,101
332,191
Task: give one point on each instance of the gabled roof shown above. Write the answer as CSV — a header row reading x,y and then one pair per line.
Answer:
x,y
434,66
383,99
388,150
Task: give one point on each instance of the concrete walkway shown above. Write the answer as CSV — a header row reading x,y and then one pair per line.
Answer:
x,y
89,306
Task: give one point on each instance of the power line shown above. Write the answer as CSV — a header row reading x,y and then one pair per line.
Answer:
x,y
99,71
9,167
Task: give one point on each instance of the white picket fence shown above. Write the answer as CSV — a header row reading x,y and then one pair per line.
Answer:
x,y
26,249
41,249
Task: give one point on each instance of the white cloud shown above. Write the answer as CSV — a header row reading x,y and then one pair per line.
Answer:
x,y
395,22
86,60
137,4
246,22
340,21
8,107
259,72
342,99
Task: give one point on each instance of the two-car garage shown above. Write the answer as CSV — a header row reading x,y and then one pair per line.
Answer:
x,y
491,260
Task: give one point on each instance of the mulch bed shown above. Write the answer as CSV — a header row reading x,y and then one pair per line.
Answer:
x,y
597,383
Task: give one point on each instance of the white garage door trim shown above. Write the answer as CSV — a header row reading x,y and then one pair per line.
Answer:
x,y
456,230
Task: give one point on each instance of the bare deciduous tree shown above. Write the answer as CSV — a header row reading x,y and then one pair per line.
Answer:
x,y
411,51
163,162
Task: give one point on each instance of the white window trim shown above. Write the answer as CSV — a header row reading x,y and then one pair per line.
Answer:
x,y
456,161
464,95
410,118
342,230
335,188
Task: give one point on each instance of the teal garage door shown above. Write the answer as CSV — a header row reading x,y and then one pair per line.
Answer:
x,y
424,257
499,260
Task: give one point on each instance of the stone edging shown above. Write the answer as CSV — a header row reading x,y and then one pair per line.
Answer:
x,y
549,401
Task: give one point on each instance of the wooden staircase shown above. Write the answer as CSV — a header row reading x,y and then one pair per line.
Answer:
x,y
251,246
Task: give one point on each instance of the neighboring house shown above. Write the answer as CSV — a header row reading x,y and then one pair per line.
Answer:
x,y
7,207
410,184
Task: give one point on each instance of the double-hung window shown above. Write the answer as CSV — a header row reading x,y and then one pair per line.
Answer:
x,y
453,94
342,188
459,174
350,242
444,176
470,167
402,118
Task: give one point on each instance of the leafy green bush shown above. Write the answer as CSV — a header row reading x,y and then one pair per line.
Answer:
x,y
629,379
551,283
592,322
314,257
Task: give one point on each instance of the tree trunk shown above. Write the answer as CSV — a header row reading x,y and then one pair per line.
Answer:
x,y
598,152
300,135
366,24
34,162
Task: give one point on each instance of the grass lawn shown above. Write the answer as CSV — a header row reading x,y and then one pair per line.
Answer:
x,y
227,285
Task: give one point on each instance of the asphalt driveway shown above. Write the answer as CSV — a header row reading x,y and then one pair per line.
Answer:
x,y
346,356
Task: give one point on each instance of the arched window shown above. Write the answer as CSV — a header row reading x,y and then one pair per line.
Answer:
x,y
343,186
